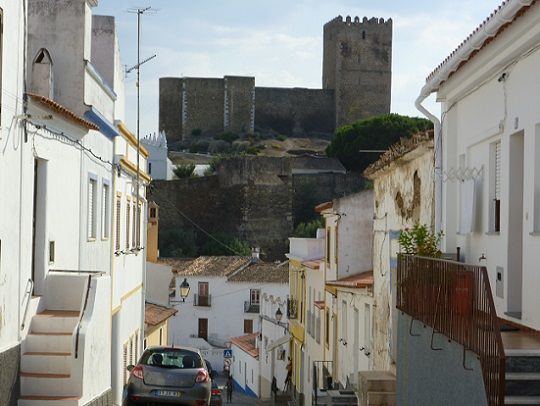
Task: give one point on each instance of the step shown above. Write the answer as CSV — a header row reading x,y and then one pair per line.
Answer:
x,y
377,381
522,400
381,398
62,385
48,401
60,321
522,361
48,342
47,362
522,384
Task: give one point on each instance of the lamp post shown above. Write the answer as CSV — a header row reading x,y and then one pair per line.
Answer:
x,y
279,315
184,290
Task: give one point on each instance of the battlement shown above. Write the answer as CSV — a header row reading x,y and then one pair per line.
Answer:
x,y
356,22
158,140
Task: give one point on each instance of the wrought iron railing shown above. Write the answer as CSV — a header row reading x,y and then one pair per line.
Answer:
x,y
292,309
204,301
455,299
250,307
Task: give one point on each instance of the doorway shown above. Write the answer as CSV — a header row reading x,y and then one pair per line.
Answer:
x,y
515,226
203,329
39,233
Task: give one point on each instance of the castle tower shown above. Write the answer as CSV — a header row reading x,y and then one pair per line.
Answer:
x,y
357,65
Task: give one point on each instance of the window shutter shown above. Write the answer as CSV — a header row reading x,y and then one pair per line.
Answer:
x,y
118,218
128,219
105,216
91,209
134,227
126,373
498,171
136,354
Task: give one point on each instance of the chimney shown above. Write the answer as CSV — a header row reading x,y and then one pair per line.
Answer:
x,y
42,82
152,251
256,253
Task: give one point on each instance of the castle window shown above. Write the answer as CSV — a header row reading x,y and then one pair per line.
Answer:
x,y
363,35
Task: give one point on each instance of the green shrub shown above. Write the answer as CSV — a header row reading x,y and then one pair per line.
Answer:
x,y
237,246
177,242
308,229
184,171
196,132
227,137
281,138
420,241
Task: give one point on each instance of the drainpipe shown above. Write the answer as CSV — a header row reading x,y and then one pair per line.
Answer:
x,y
437,135
503,15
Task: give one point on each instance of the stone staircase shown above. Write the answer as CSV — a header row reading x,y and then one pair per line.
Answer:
x,y
376,388
47,361
522,386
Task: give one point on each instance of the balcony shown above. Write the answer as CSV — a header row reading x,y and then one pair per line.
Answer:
x,y
292,309
250,307
455,299
203,301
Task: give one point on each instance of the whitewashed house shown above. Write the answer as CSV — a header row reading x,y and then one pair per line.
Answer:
x,y
224,298
274,344
159,165
245,364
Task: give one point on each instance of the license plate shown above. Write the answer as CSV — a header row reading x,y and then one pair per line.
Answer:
x,y
170,393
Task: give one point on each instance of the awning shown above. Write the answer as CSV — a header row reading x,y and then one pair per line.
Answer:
x,y
104,125
279,342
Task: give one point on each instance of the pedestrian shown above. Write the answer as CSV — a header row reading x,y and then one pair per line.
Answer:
x,y
288,379
229,388
274,388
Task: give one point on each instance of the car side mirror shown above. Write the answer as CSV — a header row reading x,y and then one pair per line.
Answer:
x,y
213,374
130,367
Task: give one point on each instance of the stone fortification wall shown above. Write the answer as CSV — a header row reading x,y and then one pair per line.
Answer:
x,y
239,109
296,111
202,106
170,108
257,199
357,64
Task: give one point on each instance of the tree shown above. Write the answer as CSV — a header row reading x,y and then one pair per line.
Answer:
x,y
308,229
237,246
184,171
376,133
177,242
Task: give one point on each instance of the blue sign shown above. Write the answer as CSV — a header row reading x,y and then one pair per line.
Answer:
x,y
227,353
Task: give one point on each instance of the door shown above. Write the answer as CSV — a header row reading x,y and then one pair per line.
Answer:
x,y
356,348
203,294
39,244
203,329
248,326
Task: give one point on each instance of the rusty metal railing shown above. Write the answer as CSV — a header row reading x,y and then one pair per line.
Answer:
x,y
455,299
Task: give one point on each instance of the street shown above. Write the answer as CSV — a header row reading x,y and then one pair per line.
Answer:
x,y
238,399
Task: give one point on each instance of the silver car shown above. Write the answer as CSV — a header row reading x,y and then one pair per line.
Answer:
x,y
169,375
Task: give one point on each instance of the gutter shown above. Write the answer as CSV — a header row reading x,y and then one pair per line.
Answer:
x,y
504,15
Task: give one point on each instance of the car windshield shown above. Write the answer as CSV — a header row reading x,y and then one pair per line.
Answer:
x,y
171,358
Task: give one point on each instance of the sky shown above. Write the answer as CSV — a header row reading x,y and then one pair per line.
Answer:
x,y
279,42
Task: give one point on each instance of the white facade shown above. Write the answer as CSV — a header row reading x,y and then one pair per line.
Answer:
x,y
245,371
491,126
226,315
159,165
274,345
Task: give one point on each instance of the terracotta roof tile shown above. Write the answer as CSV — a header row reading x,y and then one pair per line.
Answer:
x,y
155,314
247,343
58,108
206,265
359,280
323,206
398,150
263,272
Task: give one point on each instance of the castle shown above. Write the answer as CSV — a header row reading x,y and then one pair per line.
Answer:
x,y
357,61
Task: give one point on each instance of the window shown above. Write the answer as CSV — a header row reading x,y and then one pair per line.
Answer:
x,y
105,211
160,336
248,326
344,321
336,244
139,220
92,190
117,224
134,227
126,373
149,168
51,252
255,295
495,204
328,245
144,344
203,289
128,220
327,327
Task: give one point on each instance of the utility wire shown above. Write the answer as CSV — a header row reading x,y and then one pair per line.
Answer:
x,y
162,198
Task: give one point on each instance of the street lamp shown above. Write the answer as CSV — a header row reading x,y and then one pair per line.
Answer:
x,y
184,289
279,315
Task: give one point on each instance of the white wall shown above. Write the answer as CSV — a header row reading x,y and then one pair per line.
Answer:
x,y
158,278
225,315
482,110
245,371
159,166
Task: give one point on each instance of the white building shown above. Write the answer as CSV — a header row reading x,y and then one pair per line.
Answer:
x,y
159,165
489,200
225,296
274,345
245,364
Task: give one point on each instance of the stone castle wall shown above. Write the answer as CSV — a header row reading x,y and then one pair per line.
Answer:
x,y
357,61
256,199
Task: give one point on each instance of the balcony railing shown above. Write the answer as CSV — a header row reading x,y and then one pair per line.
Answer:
x,y
292,309
250,307
204,301
455,299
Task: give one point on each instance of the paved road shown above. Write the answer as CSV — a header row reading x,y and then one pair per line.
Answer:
x,y
239,399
